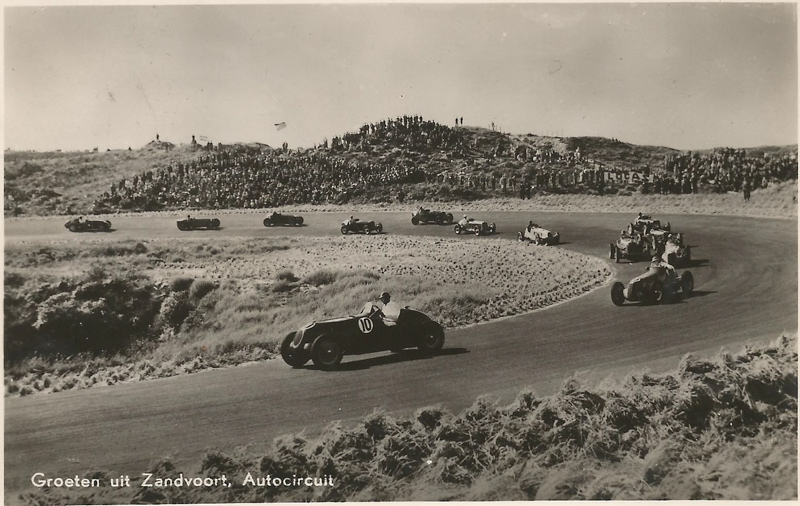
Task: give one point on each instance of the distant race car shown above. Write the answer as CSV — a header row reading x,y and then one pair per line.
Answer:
x,y
361,227
197,223
428,216
80,225
632,247
654,286
327,341
473,226
675,252
283,219
538,235
644,224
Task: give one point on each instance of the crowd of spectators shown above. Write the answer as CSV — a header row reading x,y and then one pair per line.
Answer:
x,y
259,177
250,178
409,132
726,169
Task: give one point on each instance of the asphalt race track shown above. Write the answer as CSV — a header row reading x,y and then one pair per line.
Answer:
x,y
746,289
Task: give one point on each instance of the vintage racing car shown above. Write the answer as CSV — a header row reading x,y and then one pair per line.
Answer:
x,y
630,246
644,224
81,225
283,219
473,226
361,227
655,285
327,341
538,235
675,252
428,216
197,223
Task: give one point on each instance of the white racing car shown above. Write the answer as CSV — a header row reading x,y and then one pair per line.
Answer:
x,y
538,235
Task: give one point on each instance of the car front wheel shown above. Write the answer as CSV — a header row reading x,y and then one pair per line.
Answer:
x,y
618,293
326,353
687,284
344,229
294,358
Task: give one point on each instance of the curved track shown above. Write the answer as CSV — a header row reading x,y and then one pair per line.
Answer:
x,y
745,277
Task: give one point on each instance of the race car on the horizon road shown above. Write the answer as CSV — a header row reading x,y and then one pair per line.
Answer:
x,y
428,216
355,226
198,223
473,226
535,234
644,224
81,225
283,219
327,341
629,246
655,285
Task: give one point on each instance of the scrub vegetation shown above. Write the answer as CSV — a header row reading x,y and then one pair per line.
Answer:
x,y
98,313
719,428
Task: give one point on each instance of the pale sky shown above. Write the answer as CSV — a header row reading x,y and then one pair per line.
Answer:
x,y
687,76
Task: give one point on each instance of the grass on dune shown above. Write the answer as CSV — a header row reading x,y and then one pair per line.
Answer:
x,y
206,305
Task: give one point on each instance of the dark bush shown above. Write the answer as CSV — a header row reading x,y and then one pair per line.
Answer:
x,y
287,275
200,288
180,284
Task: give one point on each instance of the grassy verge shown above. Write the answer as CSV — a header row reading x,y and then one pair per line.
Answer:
x,y
723,428
88,315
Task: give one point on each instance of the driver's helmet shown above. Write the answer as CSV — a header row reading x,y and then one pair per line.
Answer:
x,y
656,259
385,295
465,216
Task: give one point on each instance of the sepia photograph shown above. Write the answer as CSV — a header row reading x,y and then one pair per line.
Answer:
x,y
394,252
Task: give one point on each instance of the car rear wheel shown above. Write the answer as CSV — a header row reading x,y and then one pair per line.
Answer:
x,y
298,221
107,226
611,251
294,358
326,353
432,340
520,236
449,218
618,293
379,227
215,223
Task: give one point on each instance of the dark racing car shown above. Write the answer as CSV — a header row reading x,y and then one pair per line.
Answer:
x,y
276,219
655,285
644,224
355,226
81,225
428,216
198,223
325,342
